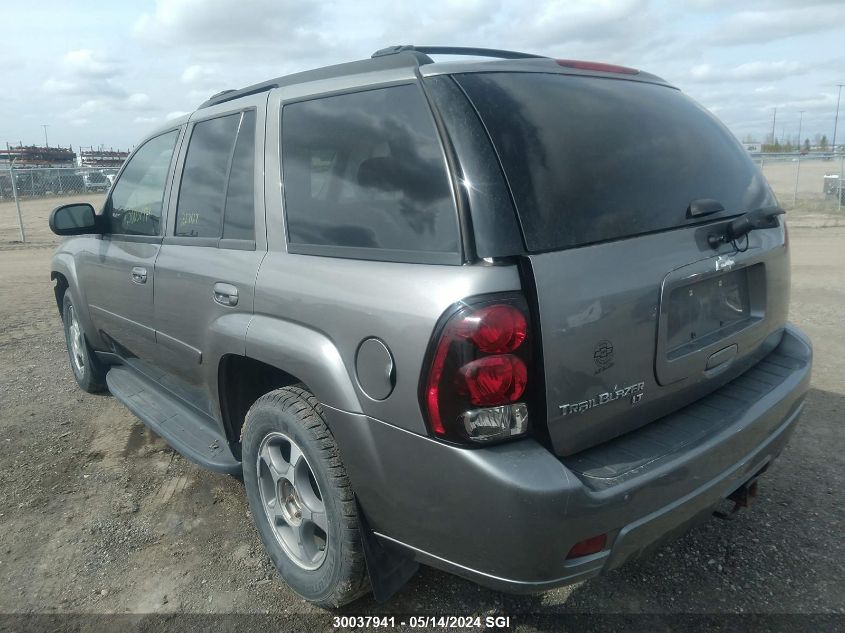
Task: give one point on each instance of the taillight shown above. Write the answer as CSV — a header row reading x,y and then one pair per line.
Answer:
x,y
599,66
478,372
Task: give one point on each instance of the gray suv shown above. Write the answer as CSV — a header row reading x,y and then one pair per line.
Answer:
x,y
519,319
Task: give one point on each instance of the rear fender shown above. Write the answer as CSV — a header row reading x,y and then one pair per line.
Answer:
x,y
225,336
305,353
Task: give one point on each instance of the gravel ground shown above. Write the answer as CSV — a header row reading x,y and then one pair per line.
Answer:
x,y
99,516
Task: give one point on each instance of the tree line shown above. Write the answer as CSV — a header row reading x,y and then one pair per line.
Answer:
x,y
821,144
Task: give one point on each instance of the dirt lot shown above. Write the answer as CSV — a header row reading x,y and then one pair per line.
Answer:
x,y
99,516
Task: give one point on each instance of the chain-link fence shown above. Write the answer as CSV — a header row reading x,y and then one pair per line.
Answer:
x,y
28,194
53,181
810,187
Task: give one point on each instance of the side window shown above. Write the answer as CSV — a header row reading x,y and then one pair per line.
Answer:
x,y
134,207
199,210
366,170
239,217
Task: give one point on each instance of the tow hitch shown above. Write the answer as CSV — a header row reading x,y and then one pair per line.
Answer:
x,y
741,498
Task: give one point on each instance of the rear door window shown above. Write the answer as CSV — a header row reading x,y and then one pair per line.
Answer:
x,y
199,212
365,176
593,159
216,195
239,213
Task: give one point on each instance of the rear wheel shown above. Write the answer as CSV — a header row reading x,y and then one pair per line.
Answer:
x,y
301,499
87,370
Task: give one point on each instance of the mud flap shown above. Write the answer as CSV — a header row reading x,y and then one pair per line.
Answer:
x,y
388,570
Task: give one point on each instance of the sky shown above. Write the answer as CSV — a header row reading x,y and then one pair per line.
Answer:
x,y
106,73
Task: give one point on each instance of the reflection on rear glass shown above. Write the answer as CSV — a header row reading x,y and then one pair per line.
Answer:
x,y
591,159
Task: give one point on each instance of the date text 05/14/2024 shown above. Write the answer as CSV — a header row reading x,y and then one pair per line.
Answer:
x,y
422,621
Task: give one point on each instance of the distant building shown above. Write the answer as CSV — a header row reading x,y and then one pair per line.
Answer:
x,y
34,156
110,158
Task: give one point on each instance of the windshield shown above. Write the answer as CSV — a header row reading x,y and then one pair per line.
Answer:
x,y
592,159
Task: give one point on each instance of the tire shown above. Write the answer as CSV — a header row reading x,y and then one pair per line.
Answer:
x,y
293,474
87,370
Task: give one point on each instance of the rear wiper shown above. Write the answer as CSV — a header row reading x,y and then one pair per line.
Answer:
x,y
763,218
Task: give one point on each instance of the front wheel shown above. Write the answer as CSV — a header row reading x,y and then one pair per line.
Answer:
x,y
301,499
87,370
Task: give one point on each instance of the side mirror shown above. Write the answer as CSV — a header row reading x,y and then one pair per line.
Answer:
x,y
73,219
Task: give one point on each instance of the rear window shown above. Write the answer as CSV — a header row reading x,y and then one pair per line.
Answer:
x,y
592,159
365,176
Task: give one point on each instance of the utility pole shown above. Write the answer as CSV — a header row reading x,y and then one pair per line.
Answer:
x,y
774,119
800,122
45,126
836,119
798,164
17,198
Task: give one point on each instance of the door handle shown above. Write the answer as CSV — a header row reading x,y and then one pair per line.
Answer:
x,y
139,275
225,294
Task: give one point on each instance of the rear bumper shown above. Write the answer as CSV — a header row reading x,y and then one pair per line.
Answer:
x,y
506,516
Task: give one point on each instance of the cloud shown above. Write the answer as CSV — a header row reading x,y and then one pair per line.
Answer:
x,y
86,73
750,111
91,106
605,29
748,72
560,24
710,5
138,101
213,29
59,86
430,27
203,81
198,74
88,63
88,88
747,27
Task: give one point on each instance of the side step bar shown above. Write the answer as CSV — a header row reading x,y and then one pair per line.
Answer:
x,y
180,427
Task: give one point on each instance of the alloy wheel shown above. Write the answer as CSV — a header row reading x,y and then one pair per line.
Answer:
x,y
292,501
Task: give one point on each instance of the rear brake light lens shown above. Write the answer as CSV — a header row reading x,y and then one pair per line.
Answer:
x,y
492,380
498,328
605,68
478,372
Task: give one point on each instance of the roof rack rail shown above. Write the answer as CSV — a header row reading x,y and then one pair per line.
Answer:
x,y
455,50
390,57
409,58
